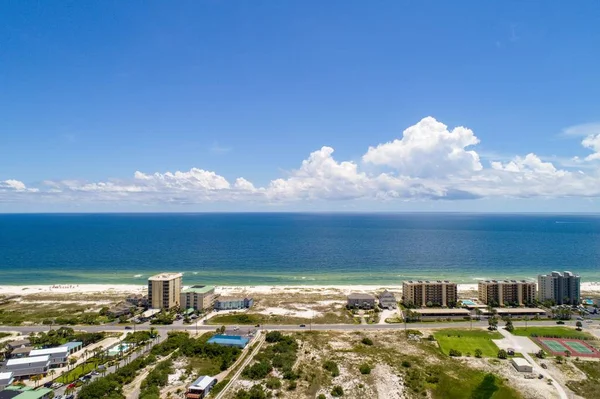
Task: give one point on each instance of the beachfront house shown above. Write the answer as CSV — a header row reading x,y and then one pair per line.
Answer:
x,y
358,300
228,303
27,366
200,388
58,356
387,300
6,378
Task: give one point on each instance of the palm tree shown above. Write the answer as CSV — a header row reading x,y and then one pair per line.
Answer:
x,y
36,378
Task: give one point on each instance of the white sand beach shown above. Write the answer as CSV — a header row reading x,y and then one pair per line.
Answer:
x,y
592,288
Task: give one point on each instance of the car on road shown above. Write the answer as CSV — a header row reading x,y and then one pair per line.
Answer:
x,y
302,325
95,373
544,366
258,325
560,322
589,321
128,327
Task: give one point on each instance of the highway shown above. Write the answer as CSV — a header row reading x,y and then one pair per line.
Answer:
x,y
286,327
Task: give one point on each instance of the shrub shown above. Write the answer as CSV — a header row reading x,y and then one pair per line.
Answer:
x,y
502,354
257,371
455,353
478,352
406,363
332,367
367,341
321,396
273,383
337,391
365,368
292,386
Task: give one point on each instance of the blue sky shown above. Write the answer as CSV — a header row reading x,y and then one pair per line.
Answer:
x,y
91,92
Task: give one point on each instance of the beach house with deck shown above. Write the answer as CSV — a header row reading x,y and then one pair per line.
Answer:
x,y
365,301
58,356
201,387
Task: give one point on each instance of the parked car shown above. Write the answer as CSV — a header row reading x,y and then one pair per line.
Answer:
x,y
544,366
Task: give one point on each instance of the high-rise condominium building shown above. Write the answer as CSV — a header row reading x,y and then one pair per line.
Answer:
x,y
562,288
429,293
506,292
164,290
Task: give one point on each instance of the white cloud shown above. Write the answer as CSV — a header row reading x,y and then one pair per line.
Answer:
x,y
584,129
592,142
428,149
428,162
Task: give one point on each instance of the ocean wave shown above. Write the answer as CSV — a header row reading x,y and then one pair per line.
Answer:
x,y
137,275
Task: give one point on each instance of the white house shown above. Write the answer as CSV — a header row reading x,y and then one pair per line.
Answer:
x,y
521,365
201,387
28,366
58,356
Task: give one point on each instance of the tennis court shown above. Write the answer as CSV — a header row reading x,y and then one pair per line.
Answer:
x,y
579,347
558,346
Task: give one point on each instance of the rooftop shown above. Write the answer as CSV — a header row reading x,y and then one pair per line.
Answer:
x,y
227,339
230,298
6,375
519,361
28,360
442,311
202,382
21,342
519,310
165,276
428,282
28,393
358,295
72,345
199,289
22,349
49,351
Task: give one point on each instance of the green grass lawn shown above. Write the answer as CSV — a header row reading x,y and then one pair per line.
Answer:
x,y
77,372
558,331
467,341
205,366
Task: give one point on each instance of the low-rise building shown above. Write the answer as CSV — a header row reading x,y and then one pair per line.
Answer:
x,y
429,293
228,303
17,353
443,313
518,312
121,309
229,340
58,355
17,344
138,300
198,297
24,392
28,366
74,346
6,378
506,292
521,365
387,300
360,300
201,387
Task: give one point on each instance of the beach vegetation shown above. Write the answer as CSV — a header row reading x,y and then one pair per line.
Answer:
x,y
332,367
337,391
587,387
365,368
367,341
256,392
158,377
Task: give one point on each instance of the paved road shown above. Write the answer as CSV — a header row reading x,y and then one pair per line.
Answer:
x,y
317,327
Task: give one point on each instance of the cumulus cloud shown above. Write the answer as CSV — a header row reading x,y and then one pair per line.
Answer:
x,y
428,149
429,161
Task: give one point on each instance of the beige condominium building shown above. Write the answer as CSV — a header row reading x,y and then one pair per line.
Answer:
x,y
506,292
198,297
429,293
164,290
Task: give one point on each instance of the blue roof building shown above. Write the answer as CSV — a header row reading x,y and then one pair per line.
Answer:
x,y
229,340
74,346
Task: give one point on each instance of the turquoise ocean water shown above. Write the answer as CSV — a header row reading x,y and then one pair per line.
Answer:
x,y
291,248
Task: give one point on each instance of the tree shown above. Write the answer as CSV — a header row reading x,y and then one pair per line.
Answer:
x,y
502,354
509,325
567,353
36,378
559,359
579,325
478,352
478,313
493,323
72,361
541,354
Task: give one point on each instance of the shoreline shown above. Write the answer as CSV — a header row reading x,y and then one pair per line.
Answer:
x,y
123,289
